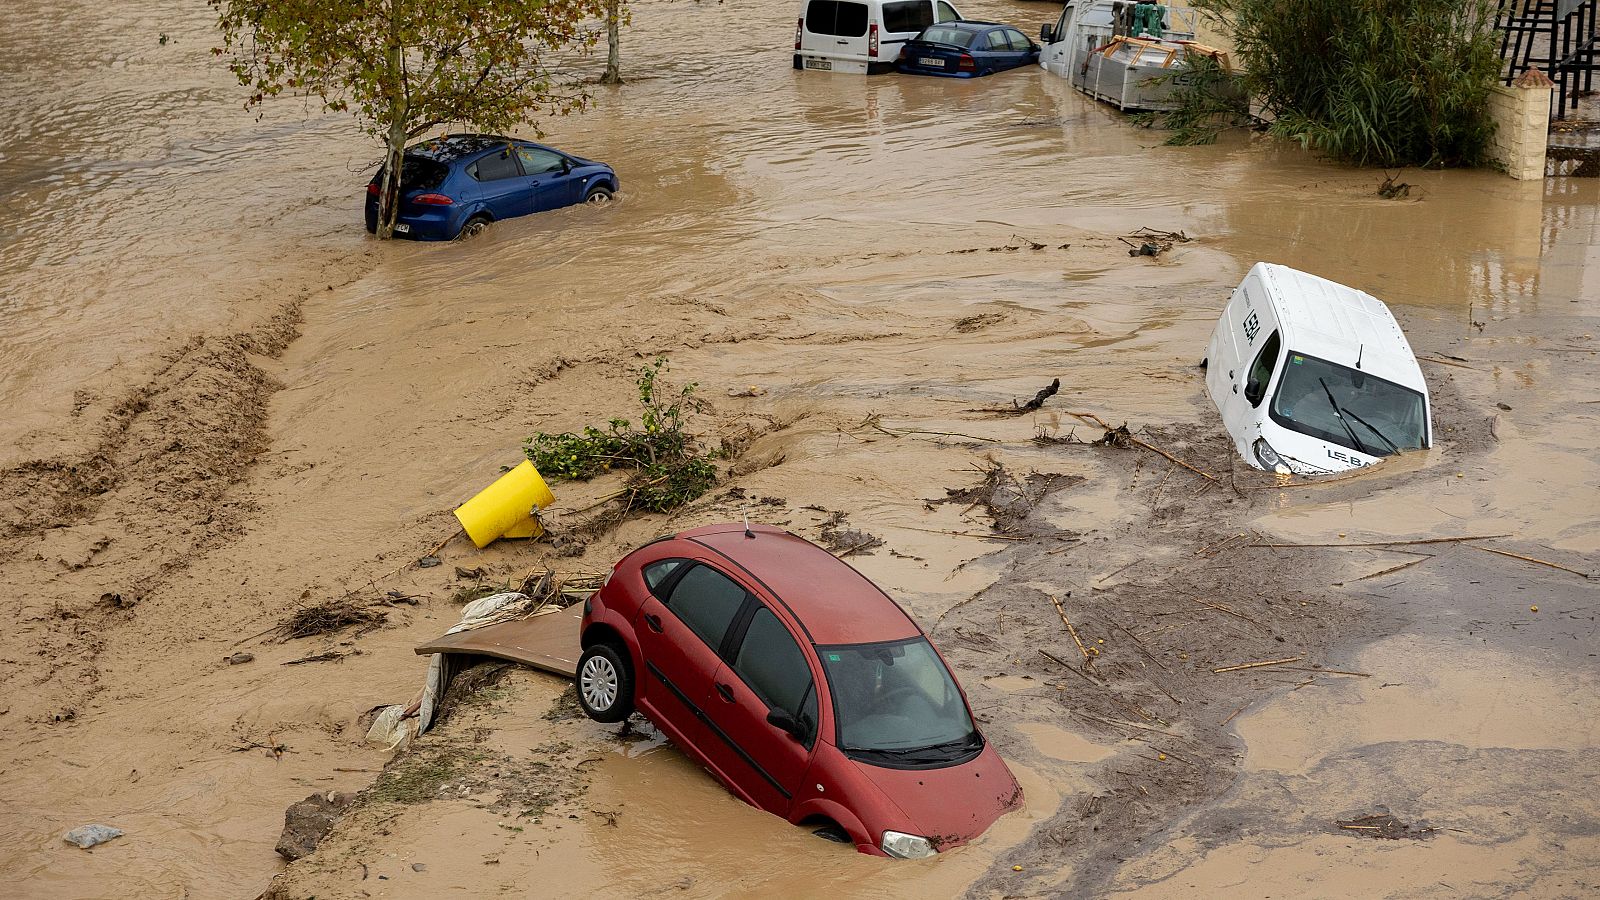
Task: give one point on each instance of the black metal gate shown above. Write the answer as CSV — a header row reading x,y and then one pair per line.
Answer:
x,y
1558,37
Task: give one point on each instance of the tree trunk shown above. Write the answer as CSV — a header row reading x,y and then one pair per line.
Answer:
x,y
395,143
613,73
389,189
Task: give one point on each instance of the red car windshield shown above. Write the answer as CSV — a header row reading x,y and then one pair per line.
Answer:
x,y
897,705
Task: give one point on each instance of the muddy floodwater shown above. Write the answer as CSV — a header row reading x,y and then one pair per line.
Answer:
x,y
220,398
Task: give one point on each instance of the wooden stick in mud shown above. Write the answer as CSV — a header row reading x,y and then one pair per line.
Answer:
x,y
1392,569
1257,665
987,537
1088,658
1532,560
1329,671
1234,715
1088,417
1069,667
1443,540
1220,608
1142,648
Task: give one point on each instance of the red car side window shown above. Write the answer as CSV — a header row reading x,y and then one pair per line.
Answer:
x,y
706,601
773,665
656,574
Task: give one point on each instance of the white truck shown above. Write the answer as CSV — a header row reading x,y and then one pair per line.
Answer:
x,y
1313,377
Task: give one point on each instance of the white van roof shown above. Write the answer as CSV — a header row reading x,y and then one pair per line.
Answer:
x,y
1326,319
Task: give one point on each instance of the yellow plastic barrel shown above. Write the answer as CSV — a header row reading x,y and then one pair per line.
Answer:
x,y
505,506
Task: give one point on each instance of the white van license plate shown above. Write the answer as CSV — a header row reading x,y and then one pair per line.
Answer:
x,y
823,64
926,61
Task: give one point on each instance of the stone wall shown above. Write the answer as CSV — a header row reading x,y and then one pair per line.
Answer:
x,y
1521,113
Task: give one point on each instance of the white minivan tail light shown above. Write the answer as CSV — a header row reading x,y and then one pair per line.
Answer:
x,y
872,40
799,29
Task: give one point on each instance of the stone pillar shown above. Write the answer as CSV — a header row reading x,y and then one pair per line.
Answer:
x,y
1521,115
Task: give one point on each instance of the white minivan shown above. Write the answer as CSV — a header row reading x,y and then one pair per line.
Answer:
x,y
861,36
1313,377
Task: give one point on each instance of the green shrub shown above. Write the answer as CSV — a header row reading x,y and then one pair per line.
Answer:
x,y
1373,82
670,468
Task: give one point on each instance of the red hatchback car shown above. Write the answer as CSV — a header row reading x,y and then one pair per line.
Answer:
x,y
796,682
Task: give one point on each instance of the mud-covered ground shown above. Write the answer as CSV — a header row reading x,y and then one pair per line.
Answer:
x,y
224,402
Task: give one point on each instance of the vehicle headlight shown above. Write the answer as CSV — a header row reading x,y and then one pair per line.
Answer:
x,y
906,846
1269,458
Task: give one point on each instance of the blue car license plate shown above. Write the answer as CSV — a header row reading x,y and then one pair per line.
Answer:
x,y
929,61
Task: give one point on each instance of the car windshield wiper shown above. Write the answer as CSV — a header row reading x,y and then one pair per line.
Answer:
x,y
1339,414
1393,447
949,748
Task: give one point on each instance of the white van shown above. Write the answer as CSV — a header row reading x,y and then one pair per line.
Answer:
x,y
1313,377
861,36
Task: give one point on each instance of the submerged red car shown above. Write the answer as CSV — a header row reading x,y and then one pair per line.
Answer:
x,y
796,682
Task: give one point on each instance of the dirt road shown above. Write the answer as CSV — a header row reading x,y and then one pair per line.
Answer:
x,y
222,400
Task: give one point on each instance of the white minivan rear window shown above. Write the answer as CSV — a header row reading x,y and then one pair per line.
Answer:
x,y
836,17
907,15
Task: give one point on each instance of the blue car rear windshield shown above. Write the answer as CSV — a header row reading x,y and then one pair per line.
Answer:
x,y
955,37
418,173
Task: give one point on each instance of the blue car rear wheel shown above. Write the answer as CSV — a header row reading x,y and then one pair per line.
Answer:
x,y
473,226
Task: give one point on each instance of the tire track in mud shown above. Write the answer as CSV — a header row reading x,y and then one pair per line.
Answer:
x,y
149,495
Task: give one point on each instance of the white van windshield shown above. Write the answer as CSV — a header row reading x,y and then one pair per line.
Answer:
x,y
1349,407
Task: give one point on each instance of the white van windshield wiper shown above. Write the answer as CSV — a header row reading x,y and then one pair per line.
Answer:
x,y
1339,414
1393,447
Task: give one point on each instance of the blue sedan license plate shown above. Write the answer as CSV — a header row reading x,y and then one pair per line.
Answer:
x,y
929,61
402,228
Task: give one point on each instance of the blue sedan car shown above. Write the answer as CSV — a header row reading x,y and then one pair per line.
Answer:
x,y
459,183
966,50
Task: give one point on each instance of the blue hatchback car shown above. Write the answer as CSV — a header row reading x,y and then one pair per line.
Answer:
x,y
459,183
966,50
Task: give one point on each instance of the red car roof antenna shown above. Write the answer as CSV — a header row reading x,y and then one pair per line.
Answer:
x,y
747,532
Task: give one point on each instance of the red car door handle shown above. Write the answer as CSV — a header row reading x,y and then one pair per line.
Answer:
x,y
725,691
654,622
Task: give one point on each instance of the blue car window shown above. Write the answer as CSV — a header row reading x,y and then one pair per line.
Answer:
x,y
996,40
1019,42
536,161
494,167
954,37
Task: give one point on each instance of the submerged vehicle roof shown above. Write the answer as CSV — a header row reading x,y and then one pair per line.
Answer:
x,y
833,602
1340,324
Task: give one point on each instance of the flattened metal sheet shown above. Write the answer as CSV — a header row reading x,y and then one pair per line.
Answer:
x,y
548,642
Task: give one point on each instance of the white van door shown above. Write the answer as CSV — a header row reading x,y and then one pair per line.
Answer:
x,y
1053,55
834,30
1250,376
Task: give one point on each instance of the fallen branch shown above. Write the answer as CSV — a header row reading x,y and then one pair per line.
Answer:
x,y
1091,417
987,537
1070,667
1257,665
1392,569
1443,540
1223,609
330,656
1532,560
1329,671
1141,647
1088,658
1038,400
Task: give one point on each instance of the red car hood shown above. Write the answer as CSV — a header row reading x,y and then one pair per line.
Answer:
x,y
953,805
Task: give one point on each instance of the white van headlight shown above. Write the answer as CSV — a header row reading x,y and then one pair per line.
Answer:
x,y
906,846
1269,458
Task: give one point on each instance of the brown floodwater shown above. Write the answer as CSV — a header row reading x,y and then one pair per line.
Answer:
x,y
805,233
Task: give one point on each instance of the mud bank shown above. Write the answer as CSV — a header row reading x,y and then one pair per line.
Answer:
x,y
885,259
